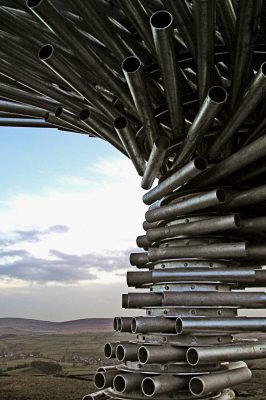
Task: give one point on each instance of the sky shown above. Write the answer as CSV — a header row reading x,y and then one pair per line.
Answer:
x,y
70,211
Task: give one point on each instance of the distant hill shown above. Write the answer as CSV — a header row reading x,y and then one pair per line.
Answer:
x,y
22,325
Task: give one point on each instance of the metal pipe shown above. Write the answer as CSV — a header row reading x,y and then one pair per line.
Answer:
x,y
215,298
49,15
127,137
199,201
204,19
247,197
235,162
154,386
163,35
236,324
122,324
153,324
109,349
248,13
126,382
208,251
138,279
226,20
138,259
178,178
101,128
249,101
142,241
127,352
232,352
21,109
209,109
161,354
155,162
139,19
95,396
51,57
139,300
254,224
103,380
183,21
208,225
215,382
134,74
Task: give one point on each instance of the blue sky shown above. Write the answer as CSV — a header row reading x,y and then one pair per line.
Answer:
x,y
70,211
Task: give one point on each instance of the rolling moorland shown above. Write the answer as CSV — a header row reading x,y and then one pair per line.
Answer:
x,y
50,361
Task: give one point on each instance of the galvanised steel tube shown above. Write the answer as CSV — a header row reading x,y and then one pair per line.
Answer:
x,y
204,19
52,119
102,25
139,19
134,74
161,354
183,21
209,251
247,197
21,109
213,299
126,382
25,124
163,36
138,279
139,300
247,21
241,158
70,118
104,379
103,130
127,352
198,202
208,225
154,386
127,137
251,98
178,178
254,224
232,352
142,241
237,324
48,14
226,19
138,259
209,109
109,349
122,324
153,324
155,162
51,57
213,383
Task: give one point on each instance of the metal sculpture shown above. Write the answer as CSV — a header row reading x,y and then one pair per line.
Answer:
x,y
179,88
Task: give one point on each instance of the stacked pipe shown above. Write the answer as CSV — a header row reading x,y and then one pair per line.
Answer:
x,y
179,88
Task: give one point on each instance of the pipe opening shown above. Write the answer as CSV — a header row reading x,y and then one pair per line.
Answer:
x,y
143,355
162,143
120,352
200,163
178,326
108,350
119,383
134,325
131,64
84,114
263,68
99,380
161,19
120,324
58,111
46,52
192,356
33,3
148,387
120,123
217,94
196,386
221,195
